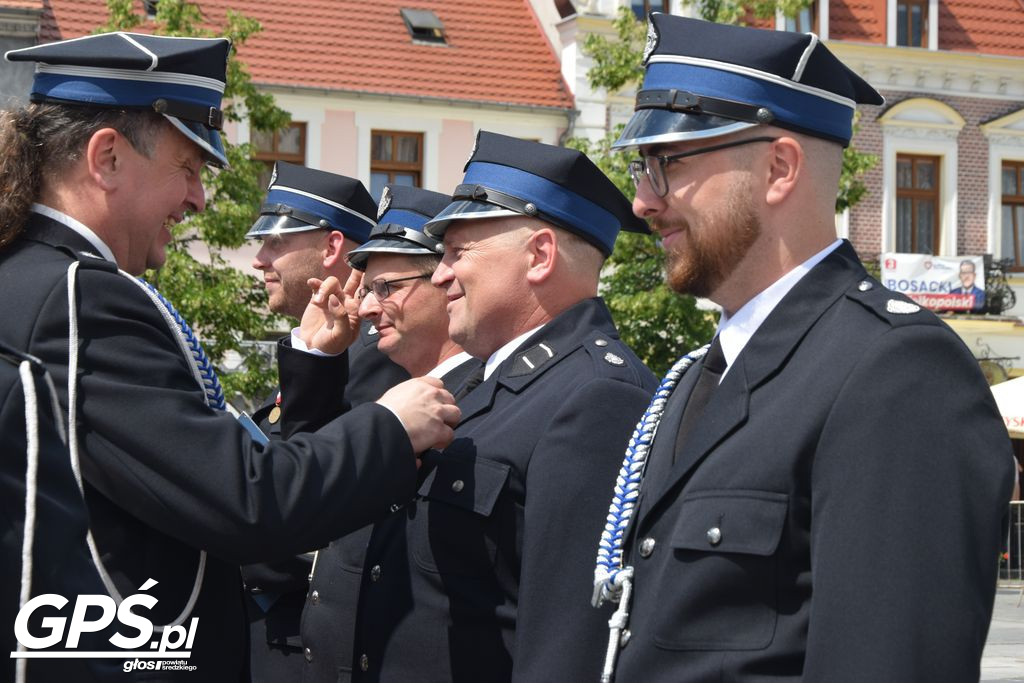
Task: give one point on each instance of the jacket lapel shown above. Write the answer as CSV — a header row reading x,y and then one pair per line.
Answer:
x,y
764,354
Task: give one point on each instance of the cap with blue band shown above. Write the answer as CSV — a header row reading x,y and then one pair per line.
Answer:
x,y
181,78
301,199
403,213
507,176
705,80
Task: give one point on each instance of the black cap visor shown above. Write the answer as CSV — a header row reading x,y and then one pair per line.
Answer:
x,y
274,224
658,126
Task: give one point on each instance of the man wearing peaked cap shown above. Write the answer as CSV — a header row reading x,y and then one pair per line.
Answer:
x,y
806,465
94,170
409,313
483,575
181,78
309,222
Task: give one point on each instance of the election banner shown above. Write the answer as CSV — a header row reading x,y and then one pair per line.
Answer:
x,y
936,282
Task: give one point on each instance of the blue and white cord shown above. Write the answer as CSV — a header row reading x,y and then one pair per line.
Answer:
x,y
207,373
612,581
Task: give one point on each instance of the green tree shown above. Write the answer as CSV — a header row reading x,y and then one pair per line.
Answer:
x,y
657,323
224,305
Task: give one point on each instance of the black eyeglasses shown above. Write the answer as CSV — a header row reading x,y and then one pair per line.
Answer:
x,y
653,166
382,288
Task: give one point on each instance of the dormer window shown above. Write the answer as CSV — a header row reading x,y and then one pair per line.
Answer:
x,y
424,26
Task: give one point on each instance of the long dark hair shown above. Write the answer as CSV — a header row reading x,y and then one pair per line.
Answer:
x,y
40,141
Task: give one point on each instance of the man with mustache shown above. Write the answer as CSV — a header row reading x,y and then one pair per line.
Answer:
x,y
823,497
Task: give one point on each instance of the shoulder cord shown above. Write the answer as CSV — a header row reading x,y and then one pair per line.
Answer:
x,y
204,375
612,581
31,491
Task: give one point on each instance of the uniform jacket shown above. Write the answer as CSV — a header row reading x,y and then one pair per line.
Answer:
x,y
485,575
329,615
166,475
60,526
835,515
311,386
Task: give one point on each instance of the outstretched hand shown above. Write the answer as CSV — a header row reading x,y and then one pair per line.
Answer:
x,y
330,322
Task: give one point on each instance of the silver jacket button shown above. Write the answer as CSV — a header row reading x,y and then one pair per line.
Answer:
x,y
647,547
375,573
315,597
458,485
308,654
364,662
714,535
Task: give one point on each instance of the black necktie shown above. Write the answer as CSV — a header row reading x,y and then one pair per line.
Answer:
x,y
471,383
710,375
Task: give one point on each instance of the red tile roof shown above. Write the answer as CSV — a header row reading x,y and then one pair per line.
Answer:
x,y
989,26
994,27
496,53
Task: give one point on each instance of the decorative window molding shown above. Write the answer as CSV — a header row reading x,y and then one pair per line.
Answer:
x,y
1005,137
921,126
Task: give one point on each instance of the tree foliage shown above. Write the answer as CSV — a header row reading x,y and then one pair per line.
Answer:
x,y
224,305
657,323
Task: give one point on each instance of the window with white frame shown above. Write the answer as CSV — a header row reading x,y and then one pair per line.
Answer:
x,y
912,23
1012,219
919,175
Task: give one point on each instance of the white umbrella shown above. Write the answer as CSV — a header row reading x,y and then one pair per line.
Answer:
x,y
1010,399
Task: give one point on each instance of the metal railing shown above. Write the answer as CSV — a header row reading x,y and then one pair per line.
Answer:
x,y
1011,559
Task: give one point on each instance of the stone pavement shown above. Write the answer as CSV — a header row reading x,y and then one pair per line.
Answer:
x,y
1003,659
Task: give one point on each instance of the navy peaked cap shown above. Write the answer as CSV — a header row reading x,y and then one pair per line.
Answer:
x,y
181,78
508,176
704,79
401,218
301,199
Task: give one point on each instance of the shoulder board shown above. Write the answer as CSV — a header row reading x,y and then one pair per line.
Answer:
x,y
893,307
87,259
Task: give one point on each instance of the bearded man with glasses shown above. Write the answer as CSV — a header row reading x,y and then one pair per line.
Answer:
x,y
808,467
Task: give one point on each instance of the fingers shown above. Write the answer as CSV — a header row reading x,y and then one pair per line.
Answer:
x,y
355,278
323,289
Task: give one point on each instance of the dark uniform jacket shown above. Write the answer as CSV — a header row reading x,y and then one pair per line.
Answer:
x,y
318,389
60,559
329,616
835,515
486,574
166,475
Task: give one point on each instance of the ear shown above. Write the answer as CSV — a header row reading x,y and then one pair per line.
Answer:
x,y
542,251
335,249
786,164
103,158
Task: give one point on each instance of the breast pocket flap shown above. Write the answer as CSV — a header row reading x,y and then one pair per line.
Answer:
x,y
472,484
748,522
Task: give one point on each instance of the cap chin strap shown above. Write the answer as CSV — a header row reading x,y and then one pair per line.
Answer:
x,y
689,103
480,193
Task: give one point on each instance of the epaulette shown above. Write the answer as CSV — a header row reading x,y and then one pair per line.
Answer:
x,y
610,356
890,306
89,260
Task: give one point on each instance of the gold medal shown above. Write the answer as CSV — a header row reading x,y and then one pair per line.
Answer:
x,y
275,415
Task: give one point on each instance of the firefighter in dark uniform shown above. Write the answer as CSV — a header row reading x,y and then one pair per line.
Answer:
x,y
308,224
409,313
106,156
483,574
823,497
